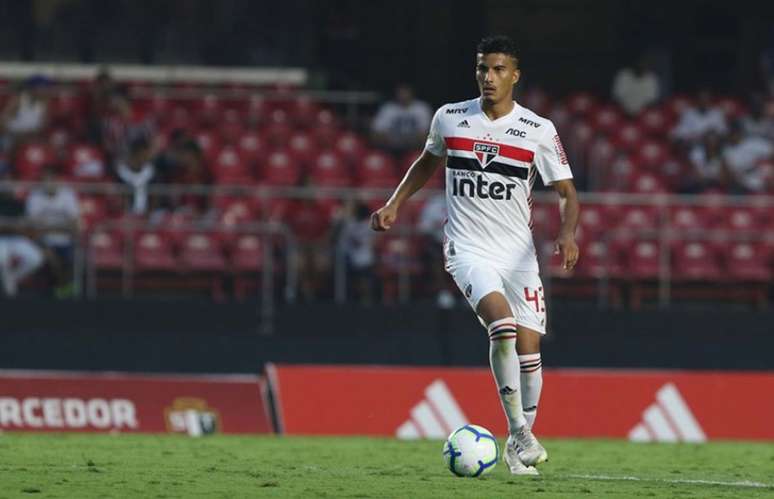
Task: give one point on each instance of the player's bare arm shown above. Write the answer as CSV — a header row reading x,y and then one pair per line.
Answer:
x,y
569,210
416,177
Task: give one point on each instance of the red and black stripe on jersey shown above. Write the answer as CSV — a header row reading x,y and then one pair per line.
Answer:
x,y
467,145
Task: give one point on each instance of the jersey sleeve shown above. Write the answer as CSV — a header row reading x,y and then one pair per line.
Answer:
x,y
436,145
550,158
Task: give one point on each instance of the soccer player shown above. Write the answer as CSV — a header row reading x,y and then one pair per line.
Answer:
x,y
492,149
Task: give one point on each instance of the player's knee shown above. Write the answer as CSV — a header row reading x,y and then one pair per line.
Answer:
x,y
493,307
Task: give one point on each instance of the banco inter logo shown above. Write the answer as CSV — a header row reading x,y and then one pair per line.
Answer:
x,y
485,153
475,186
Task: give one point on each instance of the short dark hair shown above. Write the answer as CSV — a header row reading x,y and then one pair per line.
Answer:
x,y
498,44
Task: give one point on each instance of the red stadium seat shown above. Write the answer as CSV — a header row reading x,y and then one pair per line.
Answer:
x,y
581,135
328,169
598,260
695,260
93,210
209,110
688,218
351,147
742,218
202,252
326,127
302,109
643,259
229,168
581,103
303,147
677,104
280,168
251,146
85,163
746,261
106,250
209,141
648,183
396,255
601,154
376,170
628,136
153,252
256,110
595,219
30,160
66,108
655,122
545,220
638,218
59,138
247,255
537,100
606,119
652,154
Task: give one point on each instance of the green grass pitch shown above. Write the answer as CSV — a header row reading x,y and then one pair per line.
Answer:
x,y
128,466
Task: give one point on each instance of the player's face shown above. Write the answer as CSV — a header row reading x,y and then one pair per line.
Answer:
x,y
496,75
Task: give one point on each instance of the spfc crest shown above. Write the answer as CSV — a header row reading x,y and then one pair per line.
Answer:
x,y
485,152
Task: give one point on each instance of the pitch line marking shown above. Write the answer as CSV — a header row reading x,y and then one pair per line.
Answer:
x,y
743,483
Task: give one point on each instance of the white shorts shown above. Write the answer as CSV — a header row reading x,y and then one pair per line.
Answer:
x,y
477,278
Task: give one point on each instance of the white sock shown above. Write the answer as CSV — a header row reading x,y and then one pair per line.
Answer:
x,y
505,368
531,383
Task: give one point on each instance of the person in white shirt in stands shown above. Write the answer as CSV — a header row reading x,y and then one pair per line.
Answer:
x,y
637,87
401,125
26,113
20,257
695,122
54,210
743,155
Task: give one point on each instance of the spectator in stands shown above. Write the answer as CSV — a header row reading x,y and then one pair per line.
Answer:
x,y
699,120
708,168
98,101
20,257
401,125
54,211
743,155
183,163
431,221
760,121
138,173
120,125
26,114
355,243
636,87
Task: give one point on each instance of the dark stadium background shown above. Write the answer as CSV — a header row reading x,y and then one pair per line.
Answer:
x,y
175,317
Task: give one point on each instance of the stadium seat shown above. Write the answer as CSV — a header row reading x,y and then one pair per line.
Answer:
x,y
655,122
326,127
648,183
280,169
687,219
652,154
251,146
106,250
30,160
606,119
153,258
93,210
209,141
209,110
595,219
581,103
638,218
748,261
228,167
676,105
598,260
256,110
302,109
694,260
303,147
85,163
247,259
742,219
278,130
201,258
545,220
628,136
396,256
377,169
732,107
351,147
642,258
328,169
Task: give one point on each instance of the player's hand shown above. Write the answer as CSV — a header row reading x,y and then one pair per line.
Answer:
x,y
568,248
383,218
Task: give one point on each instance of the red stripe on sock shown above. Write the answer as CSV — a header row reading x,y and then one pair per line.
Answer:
x,y
506,337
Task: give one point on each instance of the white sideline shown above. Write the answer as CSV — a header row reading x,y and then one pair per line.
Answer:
x,y
743,483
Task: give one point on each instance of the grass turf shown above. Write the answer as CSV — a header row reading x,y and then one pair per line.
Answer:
x,y
126,466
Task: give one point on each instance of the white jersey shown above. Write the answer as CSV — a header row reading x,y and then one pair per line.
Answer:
x,y
490,170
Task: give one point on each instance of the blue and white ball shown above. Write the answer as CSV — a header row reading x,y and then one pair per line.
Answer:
x,y
471,450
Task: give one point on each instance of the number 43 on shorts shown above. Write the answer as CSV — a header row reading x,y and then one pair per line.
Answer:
x,y
536,296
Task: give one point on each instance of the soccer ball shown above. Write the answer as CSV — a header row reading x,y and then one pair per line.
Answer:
x,y
470,450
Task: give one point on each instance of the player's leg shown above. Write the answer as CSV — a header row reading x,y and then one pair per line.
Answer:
x,y
494,310
531,365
